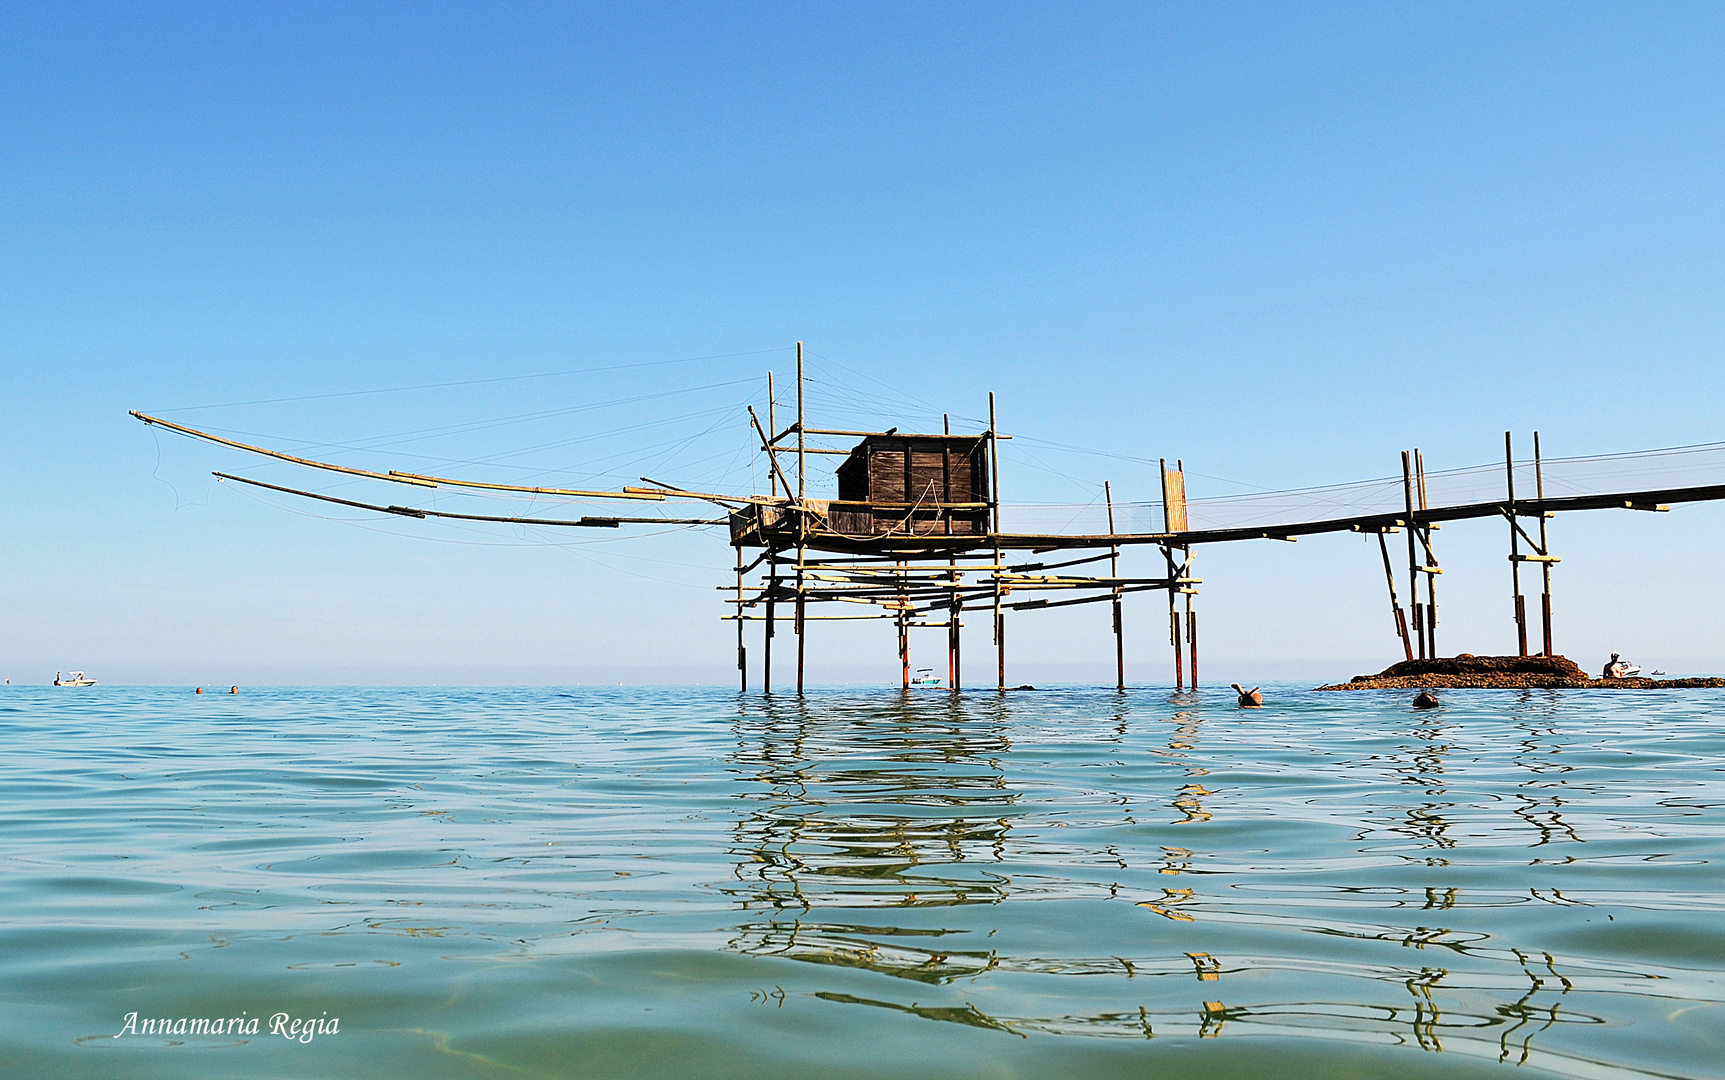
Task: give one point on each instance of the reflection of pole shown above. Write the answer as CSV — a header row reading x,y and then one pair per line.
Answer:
x,y
1114,571
994,481
1515,549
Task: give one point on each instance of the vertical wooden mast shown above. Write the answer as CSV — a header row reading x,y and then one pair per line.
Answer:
x,y
994,499
1514,548
802,518
1114,572
1544,546
1413,555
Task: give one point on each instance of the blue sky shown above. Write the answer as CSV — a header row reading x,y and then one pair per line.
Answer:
x,y
1281,242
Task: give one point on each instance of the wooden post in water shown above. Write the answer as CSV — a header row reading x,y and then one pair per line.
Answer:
x,y
1413,555
1174,521
1192,626
802,518
994,497
955,603
1544,545
1431,568
903,627
742,649
767,638
1515,548
1114,571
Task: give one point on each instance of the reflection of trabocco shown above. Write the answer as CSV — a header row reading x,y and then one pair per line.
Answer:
x,y
288,1027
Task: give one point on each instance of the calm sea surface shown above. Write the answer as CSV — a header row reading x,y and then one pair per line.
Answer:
x,y
689,883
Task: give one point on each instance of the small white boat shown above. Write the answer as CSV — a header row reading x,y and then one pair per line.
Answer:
x,y
73,678
926,677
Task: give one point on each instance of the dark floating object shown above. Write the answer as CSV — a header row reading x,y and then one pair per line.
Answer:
x,y
1249,699
1425,699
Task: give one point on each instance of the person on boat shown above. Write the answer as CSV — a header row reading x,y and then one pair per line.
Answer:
x,y
1614,668
1249,699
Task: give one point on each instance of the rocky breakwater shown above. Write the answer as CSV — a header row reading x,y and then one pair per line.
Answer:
x,y
1467,671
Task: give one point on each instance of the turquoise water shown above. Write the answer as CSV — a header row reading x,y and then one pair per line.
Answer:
x,y
685,882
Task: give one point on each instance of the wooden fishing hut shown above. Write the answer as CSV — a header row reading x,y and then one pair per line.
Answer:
x,y
916,534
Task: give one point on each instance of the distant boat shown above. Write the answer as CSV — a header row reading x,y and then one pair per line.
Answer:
x,y
926,677
73,678
1656,671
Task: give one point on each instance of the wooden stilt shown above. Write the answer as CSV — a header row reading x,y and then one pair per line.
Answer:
x,y
1192,638
1544,547
1395,603
802,519
1114,571
767,637
1413,554
994,484
742,649
1514,547
1431,558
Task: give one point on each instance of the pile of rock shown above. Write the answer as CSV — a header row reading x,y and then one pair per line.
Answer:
x,y
1497,672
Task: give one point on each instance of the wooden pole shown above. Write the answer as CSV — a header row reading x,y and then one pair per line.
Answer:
x,y
1192,629
1114,571
994,483
903,629
955,603
767,637
1174,634
1544,546
1514,548
1413,556
1431,559
1395,602
802,520
742,649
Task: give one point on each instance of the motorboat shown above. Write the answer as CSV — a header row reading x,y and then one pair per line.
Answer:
x,y
73,678
926,677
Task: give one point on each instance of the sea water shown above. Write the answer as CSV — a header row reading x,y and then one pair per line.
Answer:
x,y
411,883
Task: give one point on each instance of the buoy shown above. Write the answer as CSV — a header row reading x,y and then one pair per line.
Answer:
x,y
200,689
1425,699
233,689
1249,699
